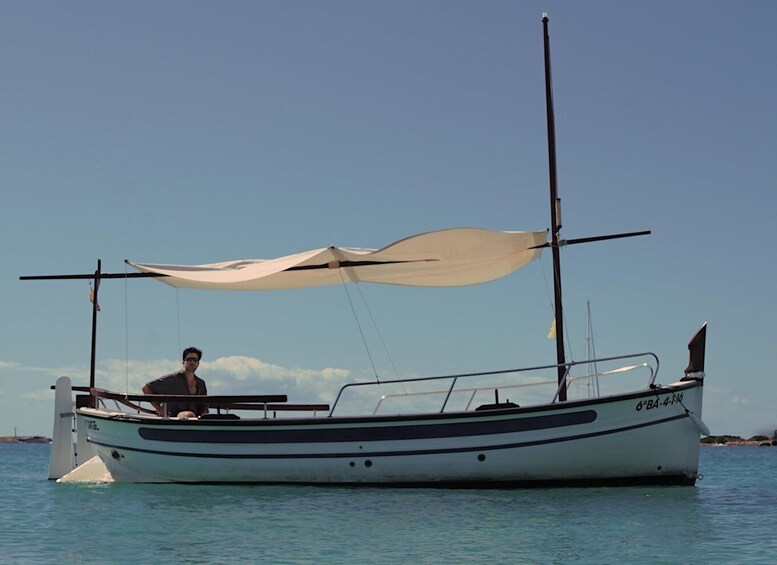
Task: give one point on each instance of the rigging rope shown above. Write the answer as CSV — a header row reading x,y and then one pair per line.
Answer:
x,y
178,318
567,345
355,317
380,336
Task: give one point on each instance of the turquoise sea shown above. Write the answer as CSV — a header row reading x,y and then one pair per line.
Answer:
x,y
729,517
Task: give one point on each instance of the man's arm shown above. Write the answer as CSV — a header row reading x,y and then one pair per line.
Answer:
x,y
157,406
205,392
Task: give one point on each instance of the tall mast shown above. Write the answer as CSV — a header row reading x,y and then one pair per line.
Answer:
x,y
555,214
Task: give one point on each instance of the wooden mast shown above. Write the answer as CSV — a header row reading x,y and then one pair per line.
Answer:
x,y
555,212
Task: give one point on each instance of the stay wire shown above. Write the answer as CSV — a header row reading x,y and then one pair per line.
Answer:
x,y
380,336
358,324
567,345
178,316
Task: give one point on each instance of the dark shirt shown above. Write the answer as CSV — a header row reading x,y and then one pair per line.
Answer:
x,y
175,383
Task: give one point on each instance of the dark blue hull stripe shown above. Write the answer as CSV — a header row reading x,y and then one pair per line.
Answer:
x,y
374,433
363,454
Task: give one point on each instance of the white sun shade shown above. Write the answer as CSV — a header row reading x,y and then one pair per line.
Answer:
x,y
451,257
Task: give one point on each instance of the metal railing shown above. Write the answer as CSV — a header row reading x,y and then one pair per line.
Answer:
x,y
653,372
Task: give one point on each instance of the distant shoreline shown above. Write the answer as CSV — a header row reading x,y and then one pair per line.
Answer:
x,y
736,440
25,439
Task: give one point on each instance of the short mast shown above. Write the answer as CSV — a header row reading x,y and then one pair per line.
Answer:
x,y
95,309
555,215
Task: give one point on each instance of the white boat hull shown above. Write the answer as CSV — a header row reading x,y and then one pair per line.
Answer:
x,y
647,437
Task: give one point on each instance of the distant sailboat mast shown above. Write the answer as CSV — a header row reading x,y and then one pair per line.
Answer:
x,y
593,382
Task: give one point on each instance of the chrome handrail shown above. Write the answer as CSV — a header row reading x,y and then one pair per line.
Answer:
x,y
474,391
607,373
455,377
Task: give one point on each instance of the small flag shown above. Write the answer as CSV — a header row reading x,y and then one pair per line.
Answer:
x,y
91,297
552,331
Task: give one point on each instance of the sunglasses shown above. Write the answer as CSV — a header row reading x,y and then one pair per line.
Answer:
x,y
192,360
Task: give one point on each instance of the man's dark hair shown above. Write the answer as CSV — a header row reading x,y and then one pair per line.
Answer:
x,y
191,350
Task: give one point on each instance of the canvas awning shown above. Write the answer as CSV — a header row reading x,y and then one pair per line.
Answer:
x,y
451,257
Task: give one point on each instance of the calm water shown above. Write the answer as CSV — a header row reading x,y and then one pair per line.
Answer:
x,y
730,516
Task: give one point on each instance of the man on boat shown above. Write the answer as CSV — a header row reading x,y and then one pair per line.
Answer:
x,y
181,382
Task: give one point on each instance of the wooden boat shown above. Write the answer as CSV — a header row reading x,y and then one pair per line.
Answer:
x,y
648,434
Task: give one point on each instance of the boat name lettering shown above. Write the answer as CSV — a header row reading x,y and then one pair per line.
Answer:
x,y
659,402
92,425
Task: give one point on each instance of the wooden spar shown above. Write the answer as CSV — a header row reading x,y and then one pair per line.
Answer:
x,y
563,242
555,221
89,276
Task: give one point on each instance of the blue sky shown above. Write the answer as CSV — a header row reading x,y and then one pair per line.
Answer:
x,y
194,132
